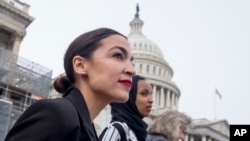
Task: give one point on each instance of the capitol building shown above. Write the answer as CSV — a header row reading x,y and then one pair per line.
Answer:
x,y
149,62
18,93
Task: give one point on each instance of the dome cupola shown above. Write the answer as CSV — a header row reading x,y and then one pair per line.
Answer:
x,y
139,42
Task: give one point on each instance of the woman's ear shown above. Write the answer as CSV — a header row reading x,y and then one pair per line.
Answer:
x,y
79,65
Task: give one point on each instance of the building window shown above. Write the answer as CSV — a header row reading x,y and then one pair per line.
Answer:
x,y
147,68
18,100
140,69
165,74
1,92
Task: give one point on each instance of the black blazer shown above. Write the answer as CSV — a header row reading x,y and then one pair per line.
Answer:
x,y
62,119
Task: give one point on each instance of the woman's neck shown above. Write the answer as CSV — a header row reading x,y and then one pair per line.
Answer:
x,y
93,101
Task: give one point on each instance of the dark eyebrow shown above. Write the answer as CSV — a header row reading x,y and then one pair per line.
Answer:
x,y
145,90
123,50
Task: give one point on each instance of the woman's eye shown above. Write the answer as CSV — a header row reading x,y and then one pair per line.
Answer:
x,y
144,94
118,56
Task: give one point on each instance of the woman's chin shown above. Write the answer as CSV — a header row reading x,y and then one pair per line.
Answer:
x,y
122,99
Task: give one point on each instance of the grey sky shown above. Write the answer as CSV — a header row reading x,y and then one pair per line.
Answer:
x,y
205,42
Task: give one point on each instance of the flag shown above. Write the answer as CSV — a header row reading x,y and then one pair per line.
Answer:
x,y
218,93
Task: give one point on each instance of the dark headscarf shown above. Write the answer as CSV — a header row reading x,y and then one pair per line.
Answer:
x,y
128,112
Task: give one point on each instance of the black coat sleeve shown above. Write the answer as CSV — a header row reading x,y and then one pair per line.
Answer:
x,y
45,120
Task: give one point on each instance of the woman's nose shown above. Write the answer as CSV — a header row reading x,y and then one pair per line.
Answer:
x,y
130,69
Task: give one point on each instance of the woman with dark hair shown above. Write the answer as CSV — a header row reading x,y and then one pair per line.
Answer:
x,y
98,71
127,118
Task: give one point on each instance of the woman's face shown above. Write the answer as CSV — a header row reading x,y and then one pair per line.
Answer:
x,y
179,133
110,70
144,98
182,132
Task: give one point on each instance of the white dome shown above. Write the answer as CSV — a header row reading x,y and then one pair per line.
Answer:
x,y
149,62
140,43
141,46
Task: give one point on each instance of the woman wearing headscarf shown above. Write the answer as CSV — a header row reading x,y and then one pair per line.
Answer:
x,y
127,118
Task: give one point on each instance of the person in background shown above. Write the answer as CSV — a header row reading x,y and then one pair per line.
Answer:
x,y
98,71
127,118
169,126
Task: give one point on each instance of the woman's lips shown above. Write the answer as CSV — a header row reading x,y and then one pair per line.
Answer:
x,y
127,83
149,107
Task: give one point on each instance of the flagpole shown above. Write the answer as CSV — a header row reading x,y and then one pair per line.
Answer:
x,y
214,107
215,88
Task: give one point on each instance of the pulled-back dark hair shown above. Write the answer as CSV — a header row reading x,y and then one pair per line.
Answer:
x,y
84,46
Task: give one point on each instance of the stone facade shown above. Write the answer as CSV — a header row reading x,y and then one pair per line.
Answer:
x,y
14,19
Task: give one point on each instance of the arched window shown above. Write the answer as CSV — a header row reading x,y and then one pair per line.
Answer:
x,y
135,46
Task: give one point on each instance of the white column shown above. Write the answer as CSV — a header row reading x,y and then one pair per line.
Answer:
x,y
16,39
25,101
136,67
165,97
144,68
162,103
157,96
176,102
168,98
150,69
203,138
191,138
186,137
154,94
172,99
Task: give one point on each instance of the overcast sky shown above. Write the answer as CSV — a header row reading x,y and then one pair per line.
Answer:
x,y
206,42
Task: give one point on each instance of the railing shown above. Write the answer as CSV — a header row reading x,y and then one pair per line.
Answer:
x,y
20,105
24,74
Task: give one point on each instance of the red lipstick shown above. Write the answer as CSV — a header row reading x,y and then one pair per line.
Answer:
x,y
127,83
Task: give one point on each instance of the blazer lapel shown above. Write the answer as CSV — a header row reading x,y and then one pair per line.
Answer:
x,y
78,101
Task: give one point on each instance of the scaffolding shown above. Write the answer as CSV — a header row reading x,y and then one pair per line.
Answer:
x,y
20,73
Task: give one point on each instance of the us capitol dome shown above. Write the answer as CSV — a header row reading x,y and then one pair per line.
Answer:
x,y
149,62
